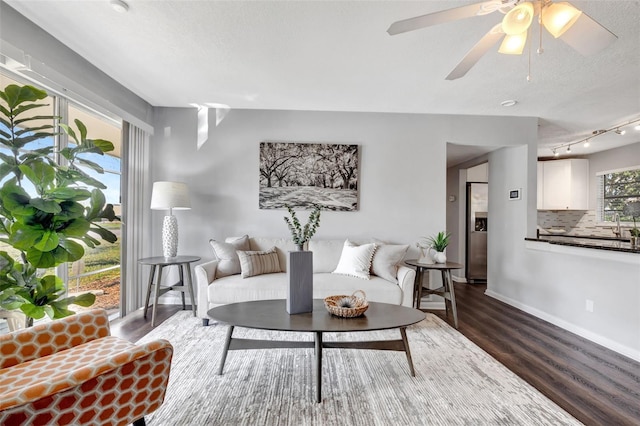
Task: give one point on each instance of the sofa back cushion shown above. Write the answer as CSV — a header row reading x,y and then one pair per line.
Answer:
x,y
282,245
225,253
326,254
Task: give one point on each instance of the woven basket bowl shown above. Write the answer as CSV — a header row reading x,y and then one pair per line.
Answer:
x,y
358,305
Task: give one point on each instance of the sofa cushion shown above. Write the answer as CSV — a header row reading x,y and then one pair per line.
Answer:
x,y
326,254
233,289
254,263
356,260
282,245
225,253
386,259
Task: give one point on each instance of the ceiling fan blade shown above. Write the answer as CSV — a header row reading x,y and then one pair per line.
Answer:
x,y
587,36
474,55
443,16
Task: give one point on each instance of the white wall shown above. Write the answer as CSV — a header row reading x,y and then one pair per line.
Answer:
x,y
554,285
402,170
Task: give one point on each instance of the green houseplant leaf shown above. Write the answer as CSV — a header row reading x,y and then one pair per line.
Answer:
x,y
50,220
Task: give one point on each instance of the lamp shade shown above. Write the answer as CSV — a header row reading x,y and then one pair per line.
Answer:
x,y
518,19
559,17
170,195
513,44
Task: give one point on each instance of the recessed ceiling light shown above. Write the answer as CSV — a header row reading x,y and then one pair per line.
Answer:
x,y
119,6
508,103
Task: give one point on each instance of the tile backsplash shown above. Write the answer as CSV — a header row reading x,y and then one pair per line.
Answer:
x,y
575,222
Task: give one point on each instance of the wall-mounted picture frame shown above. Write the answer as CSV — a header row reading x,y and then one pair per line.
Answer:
x,y
302,175
515,194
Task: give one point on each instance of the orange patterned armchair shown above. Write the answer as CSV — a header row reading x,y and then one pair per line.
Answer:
x,y
71,371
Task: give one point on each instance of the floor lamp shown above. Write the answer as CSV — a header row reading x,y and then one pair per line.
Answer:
x,y
170,196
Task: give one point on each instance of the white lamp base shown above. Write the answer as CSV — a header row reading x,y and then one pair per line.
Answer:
x,y
170,236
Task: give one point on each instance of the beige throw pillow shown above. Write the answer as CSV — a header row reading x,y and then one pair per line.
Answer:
x,y
259,262
386,260
225,253
355,260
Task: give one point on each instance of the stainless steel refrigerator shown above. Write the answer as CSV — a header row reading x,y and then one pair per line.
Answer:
x,y
477,221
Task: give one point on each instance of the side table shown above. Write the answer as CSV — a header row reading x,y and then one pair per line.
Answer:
x,y
447,290
157,264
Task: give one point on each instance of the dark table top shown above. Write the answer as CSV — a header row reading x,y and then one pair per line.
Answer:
x,y
272,315
165,261
446,265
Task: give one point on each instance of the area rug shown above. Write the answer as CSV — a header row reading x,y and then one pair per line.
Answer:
x,y
456,382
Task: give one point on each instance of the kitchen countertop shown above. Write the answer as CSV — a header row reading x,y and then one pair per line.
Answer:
x,y
589,241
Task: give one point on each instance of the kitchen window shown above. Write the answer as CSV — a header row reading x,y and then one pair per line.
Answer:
x,y
617,189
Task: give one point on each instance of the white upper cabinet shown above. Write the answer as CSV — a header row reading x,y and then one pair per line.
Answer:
x,y
563,184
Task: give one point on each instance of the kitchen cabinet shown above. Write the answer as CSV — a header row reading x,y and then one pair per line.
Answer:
x,y
565,184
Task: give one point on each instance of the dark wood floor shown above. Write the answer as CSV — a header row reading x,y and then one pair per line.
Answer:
x,y
594,384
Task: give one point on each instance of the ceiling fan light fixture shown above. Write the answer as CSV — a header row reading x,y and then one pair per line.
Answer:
x,y
559,17
518,19
513,44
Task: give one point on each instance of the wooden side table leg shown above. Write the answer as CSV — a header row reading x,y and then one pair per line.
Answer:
x,y
405,342
453,299
157,295
146,304
420,272
190,287
181,283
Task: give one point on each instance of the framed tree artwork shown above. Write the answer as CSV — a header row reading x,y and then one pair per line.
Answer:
x,y
302,175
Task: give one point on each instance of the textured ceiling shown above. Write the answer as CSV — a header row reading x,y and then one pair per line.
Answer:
x,y
337,56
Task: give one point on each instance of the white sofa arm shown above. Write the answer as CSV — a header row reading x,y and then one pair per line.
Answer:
x,y
205,274
406,280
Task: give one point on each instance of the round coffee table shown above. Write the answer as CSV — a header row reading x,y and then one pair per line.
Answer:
x,y
272,315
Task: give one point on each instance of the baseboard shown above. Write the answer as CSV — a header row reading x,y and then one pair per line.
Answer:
x,y
589,335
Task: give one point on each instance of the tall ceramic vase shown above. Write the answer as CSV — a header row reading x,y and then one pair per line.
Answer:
x,y
299,282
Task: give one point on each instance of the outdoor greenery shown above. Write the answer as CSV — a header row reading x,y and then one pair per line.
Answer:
x,y
49,212
621,189
301,234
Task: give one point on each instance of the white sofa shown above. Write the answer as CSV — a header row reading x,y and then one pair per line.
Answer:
x,y
213,289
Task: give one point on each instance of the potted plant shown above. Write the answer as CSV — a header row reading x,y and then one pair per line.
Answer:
x,y
48,212
301,234
434,246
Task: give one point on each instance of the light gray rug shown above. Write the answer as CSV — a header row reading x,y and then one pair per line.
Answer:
x,y
456,382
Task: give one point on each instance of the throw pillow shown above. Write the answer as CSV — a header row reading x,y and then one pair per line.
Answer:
x,y
259,262
355,260
225,253
386,260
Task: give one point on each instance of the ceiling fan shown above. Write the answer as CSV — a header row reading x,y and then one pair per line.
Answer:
x,y
561,19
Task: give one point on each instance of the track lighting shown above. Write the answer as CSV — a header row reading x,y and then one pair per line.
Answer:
x,y
637,128
586,143
620,132
555,153
569,149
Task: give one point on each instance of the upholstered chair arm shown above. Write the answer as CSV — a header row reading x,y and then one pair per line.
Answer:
x,y
406,279
50,337
205,273
114,381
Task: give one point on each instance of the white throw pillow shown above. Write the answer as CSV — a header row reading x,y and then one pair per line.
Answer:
x,y
225,253
355,260
386,259
254,263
